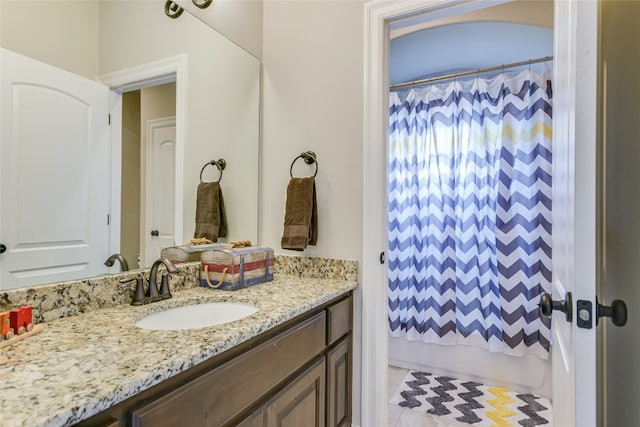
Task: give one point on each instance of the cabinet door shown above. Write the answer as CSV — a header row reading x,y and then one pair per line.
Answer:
x,y
224,393
302,402
254,420
339,384
339,320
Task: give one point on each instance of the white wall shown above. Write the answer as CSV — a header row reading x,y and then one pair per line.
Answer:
x,y
221,102
64,34
312,100
239,21
92,38
72,23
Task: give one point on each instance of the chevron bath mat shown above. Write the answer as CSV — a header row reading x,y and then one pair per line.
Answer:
x,y
471,402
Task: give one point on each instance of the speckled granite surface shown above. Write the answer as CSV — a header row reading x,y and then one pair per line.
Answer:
x,y
326,268
65,299
81,365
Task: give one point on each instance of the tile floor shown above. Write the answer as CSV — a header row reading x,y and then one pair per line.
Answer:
x,y
398,416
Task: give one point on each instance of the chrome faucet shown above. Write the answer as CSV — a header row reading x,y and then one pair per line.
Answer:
x,y
124,266
163,292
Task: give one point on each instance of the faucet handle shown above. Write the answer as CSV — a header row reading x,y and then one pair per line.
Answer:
x,y
138,293
165,293
152,289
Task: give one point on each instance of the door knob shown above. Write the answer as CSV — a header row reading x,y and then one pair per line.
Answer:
x,y
617,311
155,233
3,248
547,305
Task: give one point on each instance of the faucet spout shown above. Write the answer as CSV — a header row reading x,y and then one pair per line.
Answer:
x,y
124,266
153,287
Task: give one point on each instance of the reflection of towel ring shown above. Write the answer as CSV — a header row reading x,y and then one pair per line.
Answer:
x,y
309,158
220,164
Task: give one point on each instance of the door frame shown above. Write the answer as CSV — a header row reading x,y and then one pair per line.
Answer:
x,y
379,15
172,69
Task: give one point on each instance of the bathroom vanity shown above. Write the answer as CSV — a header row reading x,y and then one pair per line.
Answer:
x,y
287,364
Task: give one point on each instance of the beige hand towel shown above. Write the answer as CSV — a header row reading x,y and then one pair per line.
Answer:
x,y
301,215
211,221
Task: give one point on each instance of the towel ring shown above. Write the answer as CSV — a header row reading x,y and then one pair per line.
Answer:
x,y
220,164
309,158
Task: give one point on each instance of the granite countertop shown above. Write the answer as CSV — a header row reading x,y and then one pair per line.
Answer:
x,y
79,366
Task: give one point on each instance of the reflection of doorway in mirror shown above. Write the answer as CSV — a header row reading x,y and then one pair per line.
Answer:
x,y
138,108
160,194
130,192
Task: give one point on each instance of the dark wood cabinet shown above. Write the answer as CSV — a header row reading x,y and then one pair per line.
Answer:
x,y
302,402
339,371
339,363
298,374
254,420
221,395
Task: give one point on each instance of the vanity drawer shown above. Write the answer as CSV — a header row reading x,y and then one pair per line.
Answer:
x,y
339,320
222,394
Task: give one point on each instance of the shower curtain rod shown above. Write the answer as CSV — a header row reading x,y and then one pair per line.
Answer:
x,y
467,73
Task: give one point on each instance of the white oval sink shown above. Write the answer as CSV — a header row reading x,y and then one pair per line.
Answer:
x,y
196,316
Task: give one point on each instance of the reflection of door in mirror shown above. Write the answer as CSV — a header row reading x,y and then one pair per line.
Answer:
x,y
148,173
160,193
54,173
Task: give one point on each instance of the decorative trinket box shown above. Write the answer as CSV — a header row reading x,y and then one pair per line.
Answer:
x,y
236,268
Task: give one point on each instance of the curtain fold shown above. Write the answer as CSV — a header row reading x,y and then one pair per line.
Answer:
x,y
470,213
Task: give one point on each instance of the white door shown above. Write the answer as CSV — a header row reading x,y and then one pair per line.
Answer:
x,y
160,188
575,178
54,179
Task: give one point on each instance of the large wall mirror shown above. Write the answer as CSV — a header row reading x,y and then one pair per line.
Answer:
x,y
178,95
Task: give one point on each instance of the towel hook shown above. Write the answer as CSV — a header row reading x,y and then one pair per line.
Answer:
x,y
220,164
309,158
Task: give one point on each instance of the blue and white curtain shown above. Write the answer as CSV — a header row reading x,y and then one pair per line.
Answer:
x,y
470,213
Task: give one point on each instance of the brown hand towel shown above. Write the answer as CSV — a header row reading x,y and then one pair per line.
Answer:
x,y
211,221
301,215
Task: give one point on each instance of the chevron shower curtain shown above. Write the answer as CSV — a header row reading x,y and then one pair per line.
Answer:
x,y
470,213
